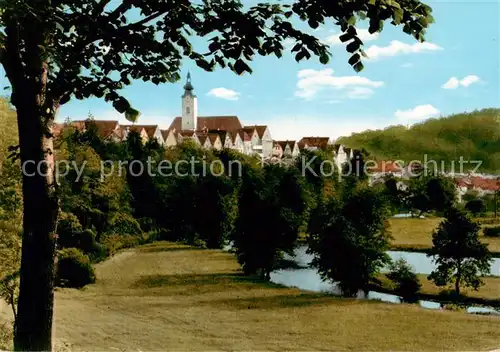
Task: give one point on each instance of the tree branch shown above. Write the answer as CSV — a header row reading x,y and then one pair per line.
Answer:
x,y
143,21
11,57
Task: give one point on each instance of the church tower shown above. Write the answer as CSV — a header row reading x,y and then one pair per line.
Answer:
x,y
189,106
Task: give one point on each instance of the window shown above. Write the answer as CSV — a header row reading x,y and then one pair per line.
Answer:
x,y
188,110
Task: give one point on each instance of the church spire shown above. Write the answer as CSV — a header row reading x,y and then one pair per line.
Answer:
x,y
188,87
189,106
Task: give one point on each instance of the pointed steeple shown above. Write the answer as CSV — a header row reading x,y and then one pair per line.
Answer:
x,y
188,87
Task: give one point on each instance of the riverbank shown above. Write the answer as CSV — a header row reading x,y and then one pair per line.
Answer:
x,y
487,295
415,235
169,296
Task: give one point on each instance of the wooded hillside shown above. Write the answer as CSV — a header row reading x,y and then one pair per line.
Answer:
x,y
474,136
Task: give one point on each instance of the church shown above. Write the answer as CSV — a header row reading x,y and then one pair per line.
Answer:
x,y
219,132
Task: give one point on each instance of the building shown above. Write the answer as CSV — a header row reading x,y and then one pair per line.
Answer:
x,y
286,149
250,140
482,186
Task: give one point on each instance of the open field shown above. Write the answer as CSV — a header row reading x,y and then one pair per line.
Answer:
x,y
416,234
172,297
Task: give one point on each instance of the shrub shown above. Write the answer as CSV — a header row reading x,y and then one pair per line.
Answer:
x,y
85,241
405,279
114,242
492,231
68,222
74,269
146,224
476,206
124,224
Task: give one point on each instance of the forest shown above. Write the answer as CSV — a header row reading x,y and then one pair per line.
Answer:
x,y
475,136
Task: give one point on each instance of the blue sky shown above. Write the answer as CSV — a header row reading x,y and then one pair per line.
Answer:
x,y
404,82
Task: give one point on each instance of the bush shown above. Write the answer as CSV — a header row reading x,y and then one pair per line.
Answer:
x,y
146,224
68,223
84,240
405,279
124,224
74,269
492,231
476,206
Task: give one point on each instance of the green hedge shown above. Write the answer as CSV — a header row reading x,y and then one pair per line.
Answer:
x,y
492,231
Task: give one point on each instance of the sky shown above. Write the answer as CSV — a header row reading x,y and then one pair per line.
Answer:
x,y
404,82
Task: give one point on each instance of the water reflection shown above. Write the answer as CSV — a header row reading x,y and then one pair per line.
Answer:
x,y
419,261
309,279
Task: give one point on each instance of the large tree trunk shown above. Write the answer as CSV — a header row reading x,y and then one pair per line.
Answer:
x,y
33,330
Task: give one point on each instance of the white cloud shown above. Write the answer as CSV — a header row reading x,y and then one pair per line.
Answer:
x,y
420,112
311,82
454,83
363,34
295,127
224,93
399,48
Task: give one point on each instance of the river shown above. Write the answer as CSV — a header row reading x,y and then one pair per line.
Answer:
x,y
309,279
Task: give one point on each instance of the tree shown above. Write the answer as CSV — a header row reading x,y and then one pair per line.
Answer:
x,y
441,140
56,50
272,208
459,254
476,206
214,210
429,193
406,280
349,237
354,172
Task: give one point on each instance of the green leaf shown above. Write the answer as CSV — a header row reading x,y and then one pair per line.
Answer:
x,y
313,23
398,16
240,67
407,28
352,47
358,66
352,20
277,52
346,37
132,115
354,59
220,61
214,46
297,47
300,55
204,64
121,105
324,58
423,22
